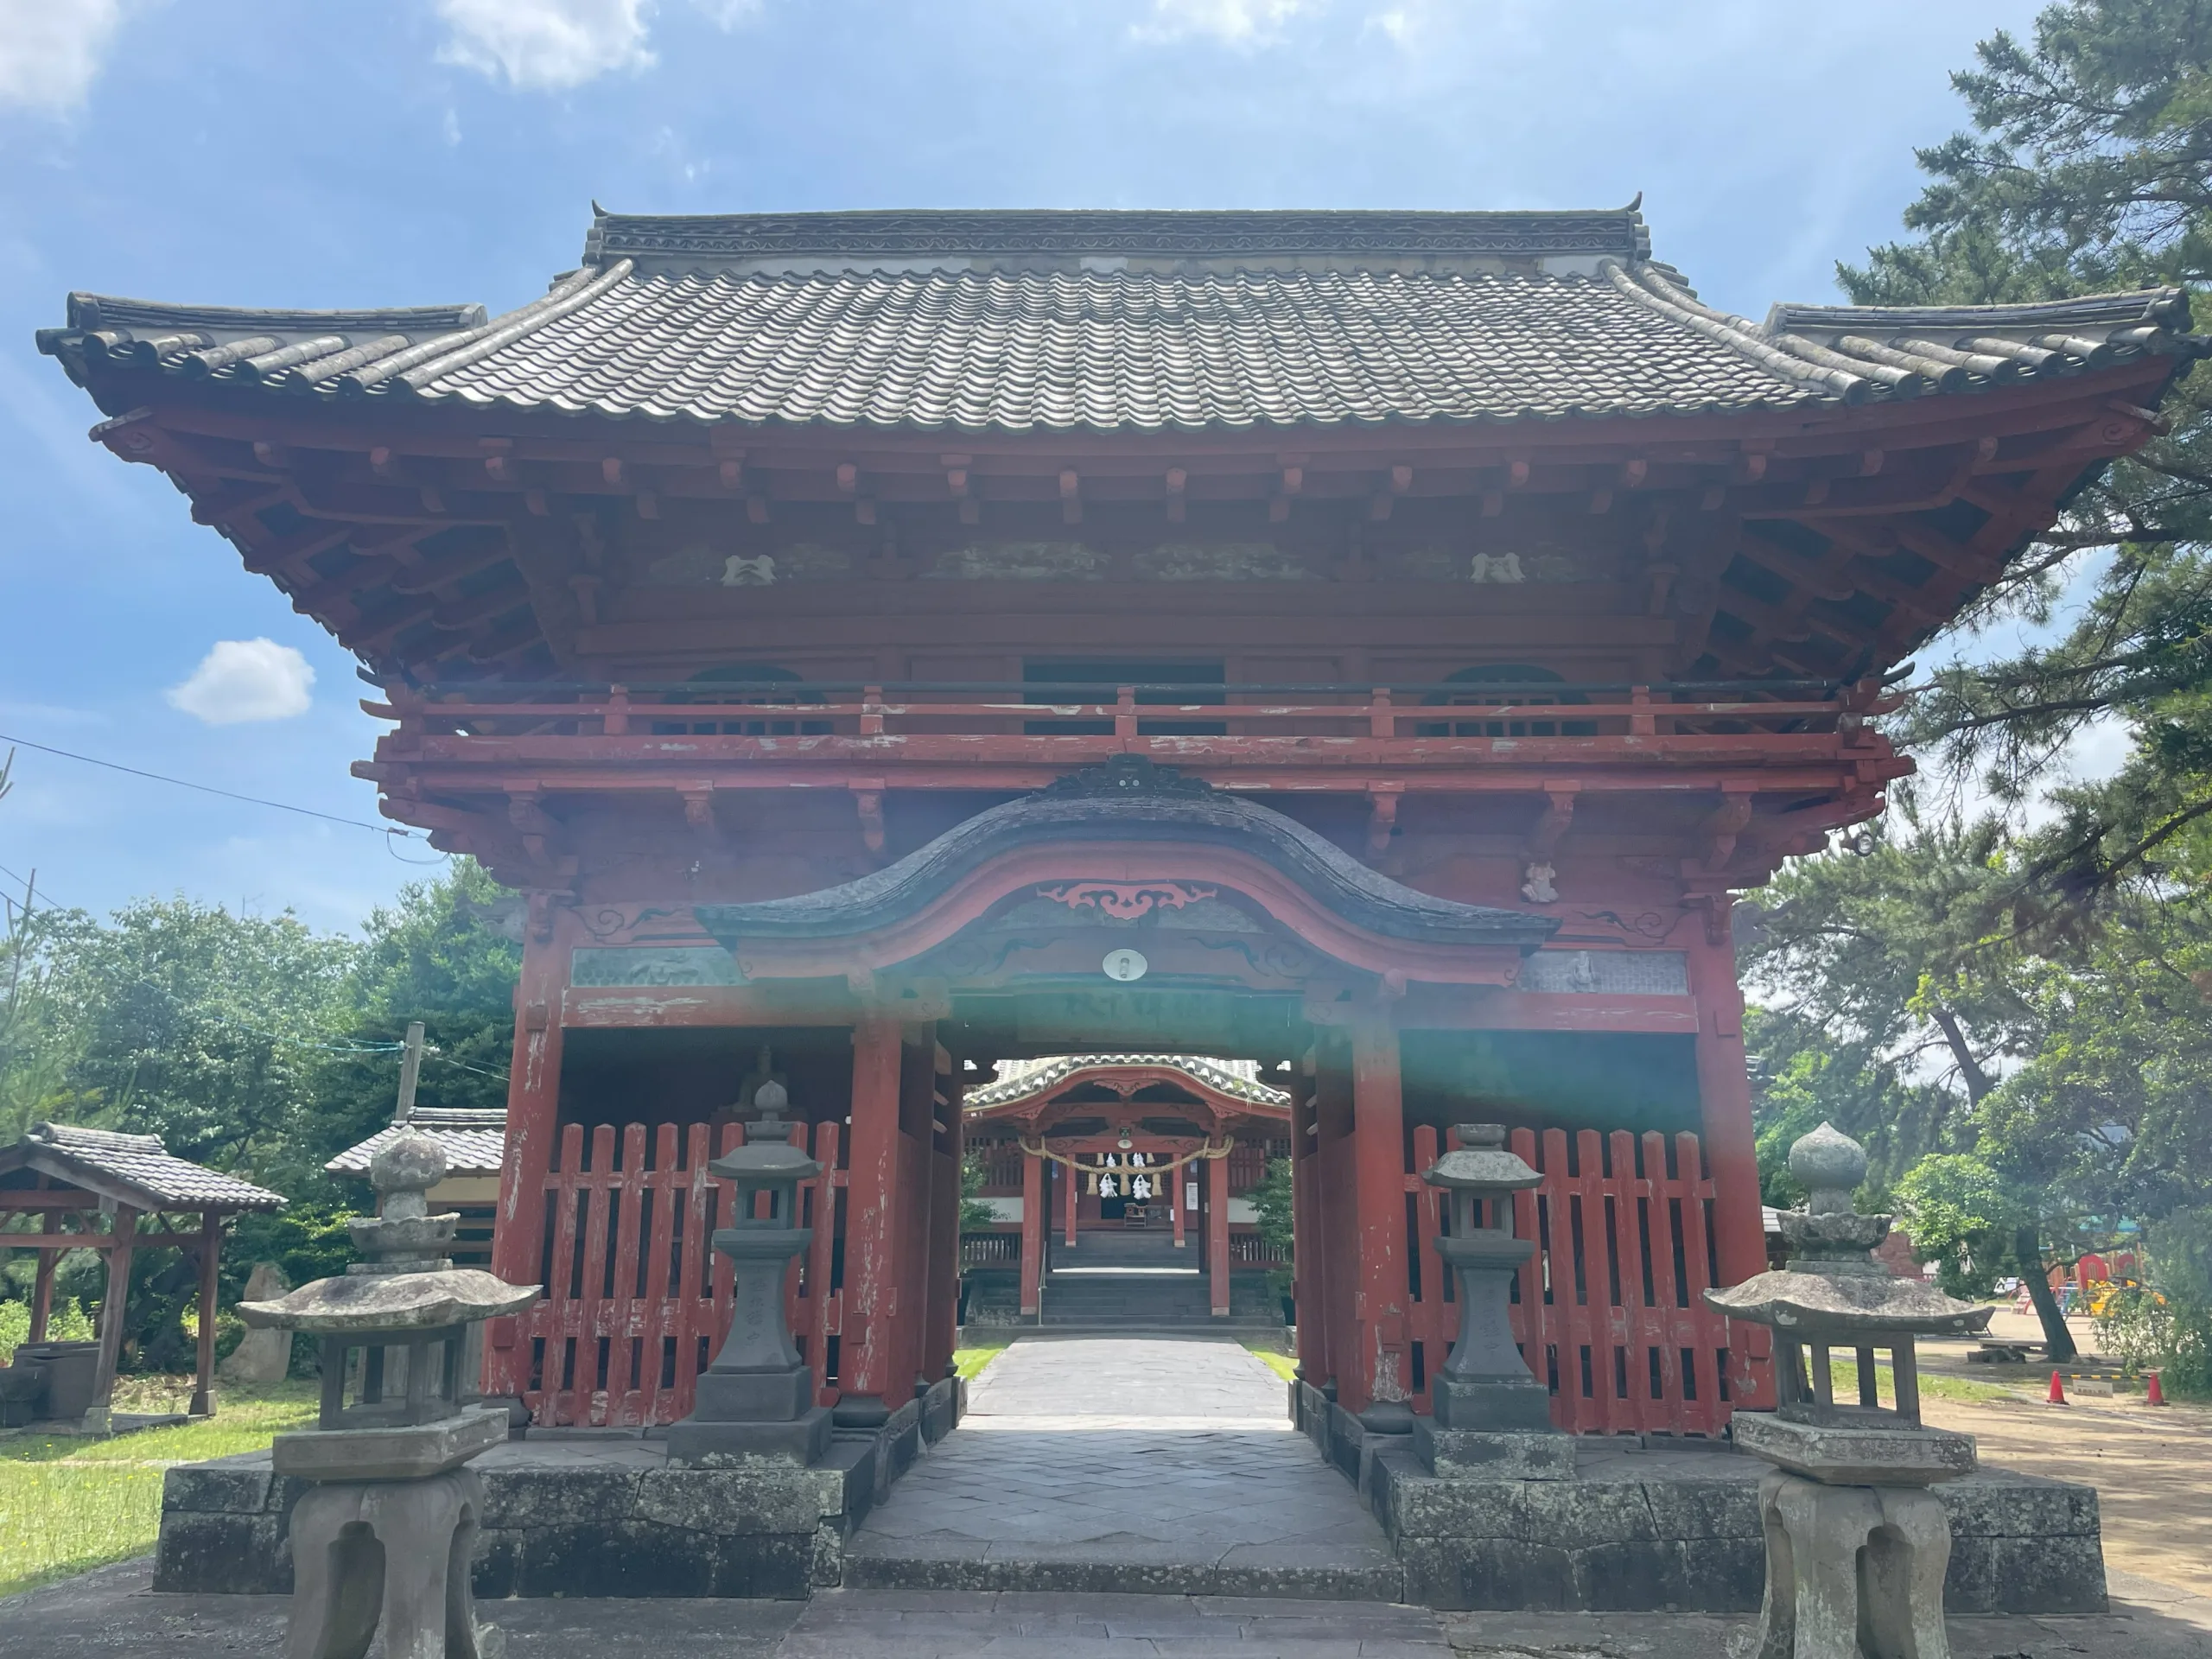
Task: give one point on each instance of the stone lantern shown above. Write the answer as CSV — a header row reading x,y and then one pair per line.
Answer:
x,y
1857,1548
1491,1415
756,1400
384,1535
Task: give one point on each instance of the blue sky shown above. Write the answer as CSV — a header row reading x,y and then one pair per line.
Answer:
x,y
355,152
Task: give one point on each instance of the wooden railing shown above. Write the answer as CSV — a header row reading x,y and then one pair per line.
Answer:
x,y
990,1249
1435,712
1250,1250
1609,1312
636,1300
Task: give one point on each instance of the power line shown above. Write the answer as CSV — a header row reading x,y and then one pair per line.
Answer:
x,y
496,1077
209,789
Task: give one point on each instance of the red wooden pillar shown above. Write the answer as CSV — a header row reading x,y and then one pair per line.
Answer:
x,y
1175,1202
533,1131
1378,1375
945,1137
1730,1151
1071,1183
211,1256
1217,1235
866,1351
1336,1223
1032,1232
1307,1249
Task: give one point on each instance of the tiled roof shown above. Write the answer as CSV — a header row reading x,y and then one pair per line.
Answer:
x,y
1238,1079
141,1163
1018,321
474,1140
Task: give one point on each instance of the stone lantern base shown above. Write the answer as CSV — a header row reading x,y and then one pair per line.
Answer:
x,y
1486,1454
1493,1403
744,1416
1851,1572
801,1440
389,1556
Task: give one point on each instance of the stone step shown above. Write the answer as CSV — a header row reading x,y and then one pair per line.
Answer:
x,y
1141,1324
1126,1566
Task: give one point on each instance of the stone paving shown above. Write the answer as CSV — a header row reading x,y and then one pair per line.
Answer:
x,y
1157,1464
109,1614
1157,1449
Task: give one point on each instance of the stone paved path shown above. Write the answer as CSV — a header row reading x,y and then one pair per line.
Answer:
x,y
1126,1464
109,1614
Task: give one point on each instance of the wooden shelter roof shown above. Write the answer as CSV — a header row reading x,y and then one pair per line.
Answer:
x,y
130,1169
1114,321
1058,1071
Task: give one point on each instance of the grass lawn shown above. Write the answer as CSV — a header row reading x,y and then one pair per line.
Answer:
x,y
1845,1370
980,1351
68,1503
1268,1351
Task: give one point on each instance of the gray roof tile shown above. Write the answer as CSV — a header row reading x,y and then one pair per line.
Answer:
x,y
141,1161
1018,321
474,1140
1044,1075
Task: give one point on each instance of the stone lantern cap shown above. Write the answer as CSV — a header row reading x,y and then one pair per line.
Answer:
x,y
371,1304
1835,1286
1481,1163
765,1161
406,1286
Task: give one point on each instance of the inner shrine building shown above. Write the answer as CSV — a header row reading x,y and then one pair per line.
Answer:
x,y
887,651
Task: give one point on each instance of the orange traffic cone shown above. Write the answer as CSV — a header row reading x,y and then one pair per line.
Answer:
x,y
2058,1389
2152,1394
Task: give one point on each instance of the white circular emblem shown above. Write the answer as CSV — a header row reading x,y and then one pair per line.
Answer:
x,y
1125,964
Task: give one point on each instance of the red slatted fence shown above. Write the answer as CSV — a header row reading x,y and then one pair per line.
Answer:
x,y
1609,1310
637,1302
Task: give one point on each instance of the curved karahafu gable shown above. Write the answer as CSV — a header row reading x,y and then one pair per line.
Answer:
x,y
1378,924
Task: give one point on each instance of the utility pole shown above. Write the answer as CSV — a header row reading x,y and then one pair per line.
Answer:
x,y
411,1068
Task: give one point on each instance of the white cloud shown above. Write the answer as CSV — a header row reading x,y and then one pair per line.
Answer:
x,y
50,50
547,43
243,680
1236,22
552,44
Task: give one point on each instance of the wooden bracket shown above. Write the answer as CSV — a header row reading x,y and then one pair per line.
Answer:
x,y
868,800
699,813
1721,827
1551,825
1382,816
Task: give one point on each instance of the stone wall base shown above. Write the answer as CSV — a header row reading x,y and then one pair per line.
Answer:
x,y
590,1513
1645,1526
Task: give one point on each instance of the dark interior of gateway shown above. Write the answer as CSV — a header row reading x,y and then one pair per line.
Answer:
x,y
1570,1080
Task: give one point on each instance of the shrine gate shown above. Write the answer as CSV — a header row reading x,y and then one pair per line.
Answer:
x,y
1375,647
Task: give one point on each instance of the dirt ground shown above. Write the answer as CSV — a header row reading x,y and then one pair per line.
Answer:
x,y
2152,1467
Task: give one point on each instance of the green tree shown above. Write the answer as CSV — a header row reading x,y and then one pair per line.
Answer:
x,y
203,1027
439,953
2090,168
1271,1208
1908,1010
976,1215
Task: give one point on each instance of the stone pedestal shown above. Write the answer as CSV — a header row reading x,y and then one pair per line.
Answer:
x,y
1851,1572
1489,1455
388,1557
708,1444
1495,1404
